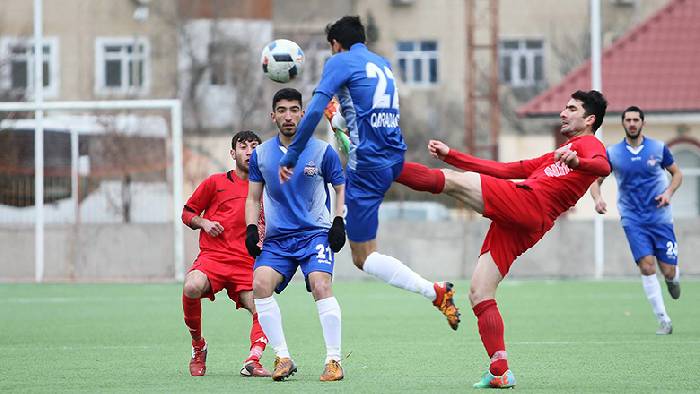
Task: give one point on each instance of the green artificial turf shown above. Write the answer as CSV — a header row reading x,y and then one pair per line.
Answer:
x,y
561,336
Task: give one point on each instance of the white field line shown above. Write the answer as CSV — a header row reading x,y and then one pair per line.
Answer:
x,y
82,300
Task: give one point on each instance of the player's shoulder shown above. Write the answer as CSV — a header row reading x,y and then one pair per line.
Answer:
x,y
590,142
318,143
617,147
265,146
654,142
215,178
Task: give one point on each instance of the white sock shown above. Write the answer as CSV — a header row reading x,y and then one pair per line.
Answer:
x,y
270,320
395,273
329,314
653,292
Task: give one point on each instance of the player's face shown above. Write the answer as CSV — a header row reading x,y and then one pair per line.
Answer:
x,y
286,115
573,119
242,153
633,124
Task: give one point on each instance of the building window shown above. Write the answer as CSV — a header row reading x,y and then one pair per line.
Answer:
x,y
122,65
521,62
686,200
417,62
18,75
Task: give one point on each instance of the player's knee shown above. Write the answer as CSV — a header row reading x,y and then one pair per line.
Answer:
x,y
192,289
321,289
359,260
476,295
647,267
262,287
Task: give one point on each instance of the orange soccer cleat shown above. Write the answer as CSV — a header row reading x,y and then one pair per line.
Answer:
x,y
284,368
444,301
332,372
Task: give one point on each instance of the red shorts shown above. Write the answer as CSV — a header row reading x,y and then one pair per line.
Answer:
x,y
225,272
517,220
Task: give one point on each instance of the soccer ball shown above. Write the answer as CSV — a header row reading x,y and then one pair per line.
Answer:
x,y
282,60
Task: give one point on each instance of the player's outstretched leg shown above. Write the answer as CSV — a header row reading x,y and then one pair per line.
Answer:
x,y
421,178
394,272
258,341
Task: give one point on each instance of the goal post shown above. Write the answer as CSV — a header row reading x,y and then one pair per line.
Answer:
x,y
174,106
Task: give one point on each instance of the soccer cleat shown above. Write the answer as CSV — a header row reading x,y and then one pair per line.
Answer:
x,y
488,381
284,368
674,288
333,371
253,368
665,328
444,301
198,363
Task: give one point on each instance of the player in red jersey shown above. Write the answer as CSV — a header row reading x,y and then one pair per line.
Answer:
x,y
520,212
217,207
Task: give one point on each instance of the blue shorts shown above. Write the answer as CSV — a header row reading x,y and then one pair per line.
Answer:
x,y
653,240
311,253
364,191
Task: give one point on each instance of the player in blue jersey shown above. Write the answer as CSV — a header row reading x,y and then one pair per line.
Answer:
x,y
644,195
366,88
299,232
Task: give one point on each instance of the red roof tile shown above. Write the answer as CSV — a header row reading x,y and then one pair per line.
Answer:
x,y
656,66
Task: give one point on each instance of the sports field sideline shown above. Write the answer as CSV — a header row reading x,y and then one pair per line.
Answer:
x,y
562,336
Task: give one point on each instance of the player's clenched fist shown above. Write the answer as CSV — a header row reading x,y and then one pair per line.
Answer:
x,y
567,156
336,235
251,240
438,149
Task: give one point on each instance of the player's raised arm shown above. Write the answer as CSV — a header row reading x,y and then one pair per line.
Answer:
x,y
514,170
335,74
597,165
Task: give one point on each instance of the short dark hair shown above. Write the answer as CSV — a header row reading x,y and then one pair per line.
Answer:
x,y
347,30
290,94
244,136
593,103
633,108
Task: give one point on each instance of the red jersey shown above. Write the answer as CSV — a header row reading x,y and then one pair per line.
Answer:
x,y
556,186
222,198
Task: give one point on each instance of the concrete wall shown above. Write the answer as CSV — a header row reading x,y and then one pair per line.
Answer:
x,y
436,250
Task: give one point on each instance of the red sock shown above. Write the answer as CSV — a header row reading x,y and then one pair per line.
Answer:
x,y
258,340
421,178
193,316
491,331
